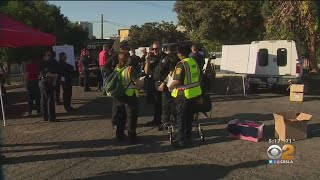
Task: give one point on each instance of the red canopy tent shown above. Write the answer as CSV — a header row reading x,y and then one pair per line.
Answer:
x,y
16,34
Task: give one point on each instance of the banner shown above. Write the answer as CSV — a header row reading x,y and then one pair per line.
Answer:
x,y
68,49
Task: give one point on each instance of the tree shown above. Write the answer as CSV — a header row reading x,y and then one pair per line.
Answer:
x,y
225,22
45,17
297,20
142,36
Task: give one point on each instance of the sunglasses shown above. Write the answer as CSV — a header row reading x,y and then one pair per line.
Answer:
x,y
154,49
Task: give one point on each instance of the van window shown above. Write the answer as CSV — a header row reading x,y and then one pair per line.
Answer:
x,y
282,57
263,57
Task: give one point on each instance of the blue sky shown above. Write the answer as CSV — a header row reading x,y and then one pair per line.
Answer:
x,y
122,12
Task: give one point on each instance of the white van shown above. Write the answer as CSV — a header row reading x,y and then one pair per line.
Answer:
x,y
139,51
265,63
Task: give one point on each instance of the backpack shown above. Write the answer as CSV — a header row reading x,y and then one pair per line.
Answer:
x,y
113,85
203,104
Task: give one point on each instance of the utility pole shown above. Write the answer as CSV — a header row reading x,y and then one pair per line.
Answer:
x,y
101,26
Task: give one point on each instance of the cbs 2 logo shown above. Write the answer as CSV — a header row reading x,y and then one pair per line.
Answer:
x,y
286,152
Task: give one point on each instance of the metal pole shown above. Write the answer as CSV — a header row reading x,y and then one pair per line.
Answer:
x,y
101,26
3,116
243,85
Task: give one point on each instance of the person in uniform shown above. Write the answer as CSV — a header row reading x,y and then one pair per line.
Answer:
x,y
173,57
150,84
168,64
125,111
112,64
184,89
66,81
58,83
195,54
49,70
134,60
158,65
84,59
142,64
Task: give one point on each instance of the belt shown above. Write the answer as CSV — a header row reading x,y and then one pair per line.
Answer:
x,y
132,87
188,86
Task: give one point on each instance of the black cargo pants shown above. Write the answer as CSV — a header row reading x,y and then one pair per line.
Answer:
x,y
67,94
184,116
125,112
47,100
168,106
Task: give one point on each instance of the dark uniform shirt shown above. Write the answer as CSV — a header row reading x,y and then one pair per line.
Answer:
x,y
135,62
142,64
173,60
111,64
160,66
199,58
51,66
67,72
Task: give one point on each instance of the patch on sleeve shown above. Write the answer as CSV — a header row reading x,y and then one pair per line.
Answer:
x,y
178,71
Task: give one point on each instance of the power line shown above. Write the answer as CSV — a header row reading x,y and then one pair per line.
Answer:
x,y
161,5
109,22
151,5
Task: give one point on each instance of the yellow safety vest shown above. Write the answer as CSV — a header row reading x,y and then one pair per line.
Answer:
x,y
191,84
126,79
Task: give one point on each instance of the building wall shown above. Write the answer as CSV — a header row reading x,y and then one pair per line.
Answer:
x,y
123,34
89,26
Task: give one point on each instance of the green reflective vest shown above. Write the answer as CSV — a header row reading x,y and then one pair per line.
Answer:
x,y
126,79
191,84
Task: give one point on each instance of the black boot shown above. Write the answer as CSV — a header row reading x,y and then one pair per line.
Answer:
x,y
133,138
179,144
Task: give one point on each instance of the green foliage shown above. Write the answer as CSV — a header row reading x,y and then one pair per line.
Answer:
x,y
141,36
45,17
297,20
228,22
236,22
221,22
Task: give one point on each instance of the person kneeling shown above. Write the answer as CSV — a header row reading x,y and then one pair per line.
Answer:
x,y
125,107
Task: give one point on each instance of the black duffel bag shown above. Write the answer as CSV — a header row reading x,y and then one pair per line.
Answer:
x,y
202,103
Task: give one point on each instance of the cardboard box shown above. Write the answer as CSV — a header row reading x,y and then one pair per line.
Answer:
x,y
296,92
291,125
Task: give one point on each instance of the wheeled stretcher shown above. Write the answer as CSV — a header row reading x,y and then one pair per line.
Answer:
x,y
171,126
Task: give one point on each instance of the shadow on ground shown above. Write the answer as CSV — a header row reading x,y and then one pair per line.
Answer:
x,y
258,117
95,109
224,98
314,130
199,171
313,98
151,144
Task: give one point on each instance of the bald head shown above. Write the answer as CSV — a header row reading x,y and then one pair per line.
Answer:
x,y
194,49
